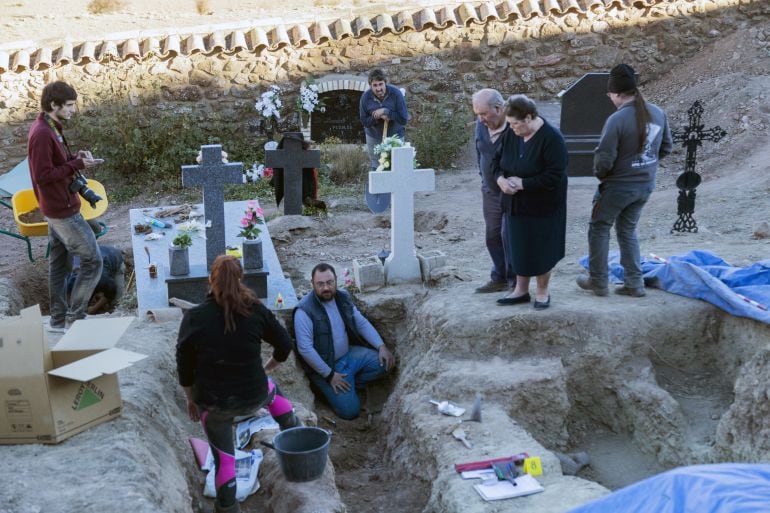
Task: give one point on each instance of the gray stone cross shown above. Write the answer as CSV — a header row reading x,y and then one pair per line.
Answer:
x,y
292,159
213,174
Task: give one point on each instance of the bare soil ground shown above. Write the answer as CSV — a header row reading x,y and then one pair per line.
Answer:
x,y
732,77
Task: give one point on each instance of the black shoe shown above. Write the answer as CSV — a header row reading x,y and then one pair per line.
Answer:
x,y
542,305
514,300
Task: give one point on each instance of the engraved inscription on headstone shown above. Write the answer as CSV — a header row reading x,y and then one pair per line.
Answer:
x,y
340,118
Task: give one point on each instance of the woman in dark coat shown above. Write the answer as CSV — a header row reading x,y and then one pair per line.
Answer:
x,y
531,171
220,367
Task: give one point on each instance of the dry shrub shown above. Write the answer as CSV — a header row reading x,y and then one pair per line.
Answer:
x,y
203,7
345,163
105,6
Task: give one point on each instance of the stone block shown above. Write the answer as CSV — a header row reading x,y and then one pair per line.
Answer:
x,y
430,260
369,273
762,230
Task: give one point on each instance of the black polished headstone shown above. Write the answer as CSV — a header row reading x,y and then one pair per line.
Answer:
x,y
292,159
194,286
340,119
584,109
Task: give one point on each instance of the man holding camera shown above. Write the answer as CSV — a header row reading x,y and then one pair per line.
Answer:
x,y
57,181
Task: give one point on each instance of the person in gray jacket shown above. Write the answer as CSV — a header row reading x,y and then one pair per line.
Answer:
x,y
625,162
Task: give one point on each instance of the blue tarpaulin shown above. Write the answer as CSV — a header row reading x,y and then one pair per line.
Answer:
x,y
704,275
721,488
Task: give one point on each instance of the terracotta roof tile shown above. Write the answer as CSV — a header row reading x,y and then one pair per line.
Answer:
x,y
258,39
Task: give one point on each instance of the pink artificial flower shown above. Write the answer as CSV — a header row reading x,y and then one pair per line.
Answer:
x,y
244,222
251,204
260,212
268,172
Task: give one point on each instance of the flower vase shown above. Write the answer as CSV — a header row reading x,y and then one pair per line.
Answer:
x,y
178,261
305,126
252,254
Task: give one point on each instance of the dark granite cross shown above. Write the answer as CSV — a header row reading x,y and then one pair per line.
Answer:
x,y
213,174
691,137
292,159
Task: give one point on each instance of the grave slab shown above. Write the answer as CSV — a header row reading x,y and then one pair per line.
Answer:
x,y
402,182
193,286
152,292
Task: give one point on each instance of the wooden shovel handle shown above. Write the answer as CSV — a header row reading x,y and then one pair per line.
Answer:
x,y
385,131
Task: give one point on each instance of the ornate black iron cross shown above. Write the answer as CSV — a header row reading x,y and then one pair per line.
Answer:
x,y
691,137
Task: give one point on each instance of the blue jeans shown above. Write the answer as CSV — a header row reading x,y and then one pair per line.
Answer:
x,y
362,366
371,143
494,221
621,204
69,237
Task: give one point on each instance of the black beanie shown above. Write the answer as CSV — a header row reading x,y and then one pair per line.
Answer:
x,y
622,79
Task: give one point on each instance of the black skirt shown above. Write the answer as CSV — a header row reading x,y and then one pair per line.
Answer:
x,y
536,244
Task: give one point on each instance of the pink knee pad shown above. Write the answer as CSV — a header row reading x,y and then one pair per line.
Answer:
x,y
225,470
280,404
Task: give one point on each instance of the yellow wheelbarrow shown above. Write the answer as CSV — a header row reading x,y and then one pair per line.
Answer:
x,y
25,201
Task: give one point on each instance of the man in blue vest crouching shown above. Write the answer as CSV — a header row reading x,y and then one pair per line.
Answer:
x,y
340,350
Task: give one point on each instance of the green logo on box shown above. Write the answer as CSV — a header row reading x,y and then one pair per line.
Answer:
x,y
88,395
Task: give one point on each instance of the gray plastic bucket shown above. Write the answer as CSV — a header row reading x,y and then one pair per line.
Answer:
x,y
302,452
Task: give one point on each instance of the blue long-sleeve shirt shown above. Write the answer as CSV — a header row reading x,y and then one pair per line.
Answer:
x,y
303,330
395,106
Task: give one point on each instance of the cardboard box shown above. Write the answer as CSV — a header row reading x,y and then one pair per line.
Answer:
x,y
48,395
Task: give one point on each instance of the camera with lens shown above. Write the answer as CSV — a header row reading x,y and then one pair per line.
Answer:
x,y
80,185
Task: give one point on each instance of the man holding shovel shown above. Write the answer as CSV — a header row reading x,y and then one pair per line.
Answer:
x,y
383,113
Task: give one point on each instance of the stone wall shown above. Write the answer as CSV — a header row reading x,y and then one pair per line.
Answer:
x,y
538,56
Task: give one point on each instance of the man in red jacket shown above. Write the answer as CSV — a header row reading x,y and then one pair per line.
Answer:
x,y
53,168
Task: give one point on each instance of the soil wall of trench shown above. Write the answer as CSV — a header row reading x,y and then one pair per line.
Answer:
x,y
682,381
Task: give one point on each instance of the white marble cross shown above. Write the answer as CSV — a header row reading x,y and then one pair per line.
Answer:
x,y
402,182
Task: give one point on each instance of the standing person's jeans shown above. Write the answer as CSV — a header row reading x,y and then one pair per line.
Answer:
x,y
494,219
621,204
362,366
68,237
371,143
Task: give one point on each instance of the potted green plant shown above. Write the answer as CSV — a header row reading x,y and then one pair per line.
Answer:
x,y
178,255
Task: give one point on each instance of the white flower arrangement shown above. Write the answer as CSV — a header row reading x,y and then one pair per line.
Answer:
x,y
308,99
254,174
269,103
384,148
